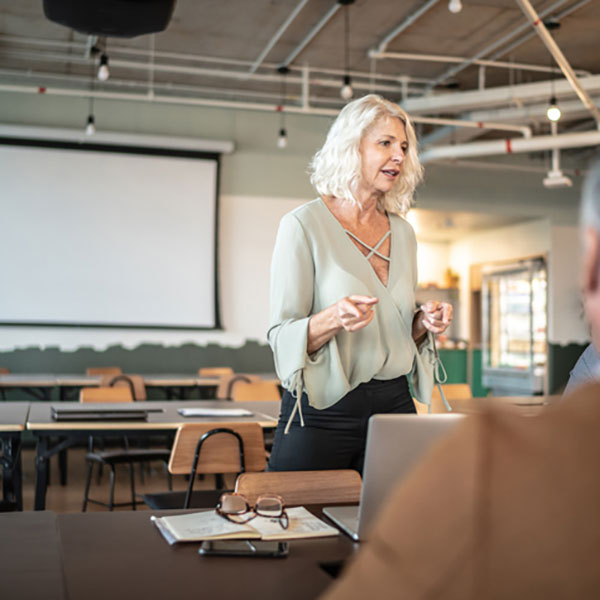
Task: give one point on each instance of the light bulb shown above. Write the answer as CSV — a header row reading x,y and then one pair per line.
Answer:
x,y
346,92
103,72
553,112
282,139
90,128
455,6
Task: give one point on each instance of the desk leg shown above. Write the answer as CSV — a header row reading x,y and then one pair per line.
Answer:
x,y
41,473
62,466
12,490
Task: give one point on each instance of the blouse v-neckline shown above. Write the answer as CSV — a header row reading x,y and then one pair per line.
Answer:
x,y
373,249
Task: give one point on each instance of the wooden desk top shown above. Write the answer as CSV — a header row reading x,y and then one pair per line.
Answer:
x,y
13,416
121,555
264,413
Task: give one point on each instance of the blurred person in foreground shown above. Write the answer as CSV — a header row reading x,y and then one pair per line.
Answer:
x,y
507,506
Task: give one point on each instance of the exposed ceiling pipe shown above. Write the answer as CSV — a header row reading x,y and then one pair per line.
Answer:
x,y
74,47
208,72
458,102
559,57
461,59
311,34
277,35
513,146
558,16
404,25
164,99
522,129
494,46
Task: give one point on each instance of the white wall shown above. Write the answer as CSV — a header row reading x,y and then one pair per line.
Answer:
x,y
566,324
432,262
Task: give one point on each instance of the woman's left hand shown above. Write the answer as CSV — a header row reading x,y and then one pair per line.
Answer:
x,y
433,316
437,316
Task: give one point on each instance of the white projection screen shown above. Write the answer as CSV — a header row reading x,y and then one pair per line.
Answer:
x,y
108,236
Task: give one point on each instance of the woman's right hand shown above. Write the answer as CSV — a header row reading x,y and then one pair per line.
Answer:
x,y
355,312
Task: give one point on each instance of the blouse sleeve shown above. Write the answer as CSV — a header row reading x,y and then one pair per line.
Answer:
x,y
292,285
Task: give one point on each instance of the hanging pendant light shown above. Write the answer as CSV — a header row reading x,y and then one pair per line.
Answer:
x,y
282,138
346,91
103,71
455,6
553,112
90,127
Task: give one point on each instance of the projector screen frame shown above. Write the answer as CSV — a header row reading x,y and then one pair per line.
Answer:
x,y
86,146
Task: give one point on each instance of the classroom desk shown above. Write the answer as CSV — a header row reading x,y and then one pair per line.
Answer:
x,y
69,433
13,417
175,386
121,555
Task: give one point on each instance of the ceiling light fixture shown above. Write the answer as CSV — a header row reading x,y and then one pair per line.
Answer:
x,y
346,92
103,72
282,139
455,6
553,112
90,127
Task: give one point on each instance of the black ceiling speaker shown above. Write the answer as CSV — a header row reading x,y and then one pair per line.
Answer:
x,y
111,18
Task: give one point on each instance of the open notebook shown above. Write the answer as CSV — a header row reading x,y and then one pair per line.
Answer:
x,y
208,525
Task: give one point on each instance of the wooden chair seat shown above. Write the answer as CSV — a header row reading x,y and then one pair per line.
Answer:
x,y
303,487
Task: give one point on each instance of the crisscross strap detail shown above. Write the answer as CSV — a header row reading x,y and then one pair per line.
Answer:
x,y
373,250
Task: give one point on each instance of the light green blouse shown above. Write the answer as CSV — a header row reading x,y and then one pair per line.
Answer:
x,y
314,265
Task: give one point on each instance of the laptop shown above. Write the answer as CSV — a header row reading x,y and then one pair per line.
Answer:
x,y
95,413
395,443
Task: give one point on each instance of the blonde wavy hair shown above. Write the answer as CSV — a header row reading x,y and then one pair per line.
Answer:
x,y
336,169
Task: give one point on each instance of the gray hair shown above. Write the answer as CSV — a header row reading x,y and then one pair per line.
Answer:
x,y
590,198
336,169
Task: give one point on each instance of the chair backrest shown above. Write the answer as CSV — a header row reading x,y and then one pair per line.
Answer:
x,y
4,371
105,394
255,390
219,453
302,487
226,383
103,371
134,382
214,371
458,395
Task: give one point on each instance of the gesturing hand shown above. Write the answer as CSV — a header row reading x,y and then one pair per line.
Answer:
x,y
437,316
355,312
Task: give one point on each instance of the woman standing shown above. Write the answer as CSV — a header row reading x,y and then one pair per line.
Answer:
x,y
343,328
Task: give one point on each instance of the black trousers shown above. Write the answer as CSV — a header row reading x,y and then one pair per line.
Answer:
x,y
335,438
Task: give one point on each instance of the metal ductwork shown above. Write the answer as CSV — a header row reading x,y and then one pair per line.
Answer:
x,y
513,146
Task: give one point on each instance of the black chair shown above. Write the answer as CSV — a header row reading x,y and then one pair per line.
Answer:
x,y
112,458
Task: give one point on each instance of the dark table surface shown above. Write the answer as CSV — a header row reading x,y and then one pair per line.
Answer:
x,y
121,555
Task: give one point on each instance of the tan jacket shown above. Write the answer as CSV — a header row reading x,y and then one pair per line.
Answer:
x,y
507,507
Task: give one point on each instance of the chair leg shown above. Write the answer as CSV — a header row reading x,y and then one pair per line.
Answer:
x,y
169,480
111,500
132,481
88,480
